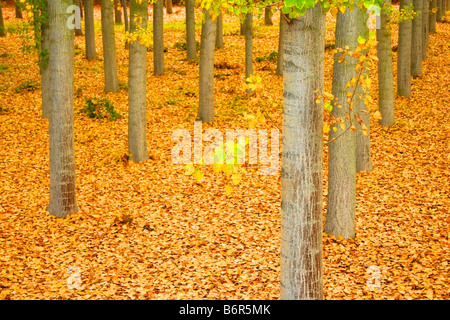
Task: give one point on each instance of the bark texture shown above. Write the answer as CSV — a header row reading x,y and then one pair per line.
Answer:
x,y
61,123
207,47
18,10
249,47
109,47
219,33
301,173
404,55
432,17
158,37
417,39
191,45
268,16
425,28
137,88
44,69
283,22
89,29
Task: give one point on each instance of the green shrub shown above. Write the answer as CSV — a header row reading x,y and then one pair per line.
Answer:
x,y
100,109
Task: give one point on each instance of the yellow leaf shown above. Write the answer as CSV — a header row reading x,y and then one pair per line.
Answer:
x,y
228,189
343,126
198,175
189,169
326,128
236,178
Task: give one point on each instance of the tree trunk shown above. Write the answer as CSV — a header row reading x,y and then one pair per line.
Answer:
x,y
117,12
301,172
248,47
340,218
207,47
125,20
169,6
45,71
219,33
137,89
89,29
18,10
268,16
242,28
158,37
61,124
78,32
432,17
439,12
283,22
2,23
404,55
425,28
385,72
416,40
109,47
191,45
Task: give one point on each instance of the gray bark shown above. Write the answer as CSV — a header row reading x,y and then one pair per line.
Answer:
x,y
158,37
207,47
117,12
385,72
249,47
78,32
61,123
283,22
125,20
219,33
2,23
340,218
439,12
191,45
109,47
425,28
18,10
268,16
89,29
137,93
404,55
301,172
416,39
45,71
432,17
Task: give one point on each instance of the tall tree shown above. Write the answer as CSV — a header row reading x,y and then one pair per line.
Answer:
x,y
18,10
137,93
117,12
385,72
109,47
249,47
439,12
416,39
158,37
2,23
191,45
207,47
125,20
404,54
268,16
279,71
43,48
219,33
169,8
425,28
89,29
78,31
301,171
432,17
61,122
340,218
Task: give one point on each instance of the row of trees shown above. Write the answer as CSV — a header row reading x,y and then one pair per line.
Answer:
x,y
301,56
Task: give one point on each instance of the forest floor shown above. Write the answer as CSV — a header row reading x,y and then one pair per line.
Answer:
x,y
147,231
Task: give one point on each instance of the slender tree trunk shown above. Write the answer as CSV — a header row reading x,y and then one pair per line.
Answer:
x,y
425,28
169,9
61,124
439,12
191,45
301,172
18,10
45,71
219,33
207,47
432,17
158,37
117,12
2,23
416,40
125,20
137,89
268,16
109,47
78,32
340,219
283,22
385,72
89,29
404,55
242,28
249,47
